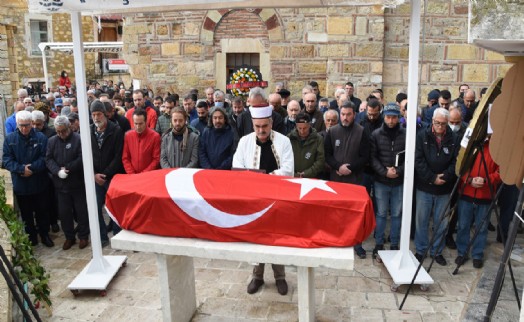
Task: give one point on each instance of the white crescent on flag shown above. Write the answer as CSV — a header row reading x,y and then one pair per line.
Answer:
x,y
181,188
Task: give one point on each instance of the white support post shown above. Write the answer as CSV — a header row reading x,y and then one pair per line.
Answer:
x,y
46,75
402,264
177,292
99,272
306,293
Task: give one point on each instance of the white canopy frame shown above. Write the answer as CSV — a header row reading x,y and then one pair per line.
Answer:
x,y
401,264
89,47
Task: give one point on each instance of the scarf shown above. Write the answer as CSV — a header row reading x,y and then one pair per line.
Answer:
x,y
185,133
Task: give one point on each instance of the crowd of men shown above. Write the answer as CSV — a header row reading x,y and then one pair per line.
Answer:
x,y
344,140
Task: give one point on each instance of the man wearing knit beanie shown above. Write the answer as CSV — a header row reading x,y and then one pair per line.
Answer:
x,y
107,142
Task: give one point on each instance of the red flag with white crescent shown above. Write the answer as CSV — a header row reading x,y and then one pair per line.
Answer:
x,y
242,206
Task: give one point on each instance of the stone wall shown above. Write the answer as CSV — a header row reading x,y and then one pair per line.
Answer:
x,y
17,65
9,80
32,67
447,60
176,51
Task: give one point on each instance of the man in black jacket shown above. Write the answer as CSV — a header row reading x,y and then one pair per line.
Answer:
x,y
347,152
64,162
435,157
387,160
107,141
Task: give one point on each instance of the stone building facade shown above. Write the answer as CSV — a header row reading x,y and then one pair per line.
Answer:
x,y
176,51
20,63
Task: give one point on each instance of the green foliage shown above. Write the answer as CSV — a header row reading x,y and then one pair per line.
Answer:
x,y
27,266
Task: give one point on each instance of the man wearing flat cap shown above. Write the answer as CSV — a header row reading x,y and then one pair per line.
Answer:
x,y
267,150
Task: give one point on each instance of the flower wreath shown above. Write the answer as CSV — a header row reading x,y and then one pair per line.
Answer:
x,y
243,79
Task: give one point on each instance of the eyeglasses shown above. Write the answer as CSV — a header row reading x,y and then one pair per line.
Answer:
x,y
24,125
437,123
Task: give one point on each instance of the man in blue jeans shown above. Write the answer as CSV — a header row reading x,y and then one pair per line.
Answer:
x,y
388,142
435,157
474,204
107,141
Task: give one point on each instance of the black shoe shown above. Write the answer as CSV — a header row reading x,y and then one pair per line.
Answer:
x,y
440,260
491,227
394,247
254,285
419,257
47,241
281,287
450,243
460,260
55,228
105,243
361,252
33,240
376,249
478,263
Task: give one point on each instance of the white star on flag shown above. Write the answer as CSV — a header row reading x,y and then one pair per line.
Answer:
x,y
306,185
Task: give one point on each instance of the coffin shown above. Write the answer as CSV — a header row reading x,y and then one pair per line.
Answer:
x,y
241,206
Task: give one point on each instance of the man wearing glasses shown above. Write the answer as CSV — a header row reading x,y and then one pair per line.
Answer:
x,y
435,157
24,156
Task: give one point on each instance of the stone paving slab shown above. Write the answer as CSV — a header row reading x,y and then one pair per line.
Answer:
x,y
360,295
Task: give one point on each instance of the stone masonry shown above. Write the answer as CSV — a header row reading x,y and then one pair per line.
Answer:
x,y
17,65
176,51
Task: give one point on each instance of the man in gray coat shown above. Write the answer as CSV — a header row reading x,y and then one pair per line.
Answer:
x,y
179,148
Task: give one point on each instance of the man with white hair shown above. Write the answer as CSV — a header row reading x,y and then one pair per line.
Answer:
x,y
24,156
436,152
40,124
64,162
245,125
10,122
22,93
334,103
293,108
267,150
219,99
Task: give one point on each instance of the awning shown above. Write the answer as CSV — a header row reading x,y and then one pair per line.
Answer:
x,y
89,47
68,47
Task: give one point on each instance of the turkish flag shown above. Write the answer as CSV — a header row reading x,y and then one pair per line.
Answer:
x,y
241,206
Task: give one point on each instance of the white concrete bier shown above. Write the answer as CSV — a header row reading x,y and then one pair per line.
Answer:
x,y
177,277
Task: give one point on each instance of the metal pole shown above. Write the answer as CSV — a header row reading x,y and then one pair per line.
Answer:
x,y
499,280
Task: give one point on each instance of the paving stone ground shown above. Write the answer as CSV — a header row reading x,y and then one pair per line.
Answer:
x,y
360,295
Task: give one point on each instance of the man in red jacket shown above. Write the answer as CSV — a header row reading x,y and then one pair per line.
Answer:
x,y
474,204
140,103
141,147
